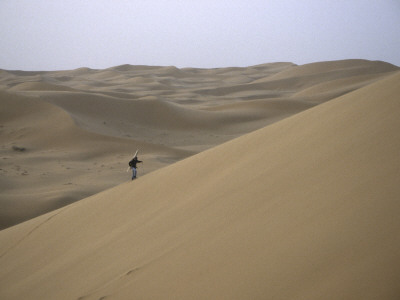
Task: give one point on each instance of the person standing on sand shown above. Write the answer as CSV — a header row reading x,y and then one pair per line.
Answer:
x,y
132,164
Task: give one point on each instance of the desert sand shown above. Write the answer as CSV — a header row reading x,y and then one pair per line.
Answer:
x,y
79,128
274,181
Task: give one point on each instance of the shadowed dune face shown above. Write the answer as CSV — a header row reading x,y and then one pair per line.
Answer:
x,y
46,160
306,208
80,127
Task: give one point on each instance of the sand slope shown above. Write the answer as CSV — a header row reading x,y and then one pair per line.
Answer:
x,y
47,161
41,166
169,113
306,208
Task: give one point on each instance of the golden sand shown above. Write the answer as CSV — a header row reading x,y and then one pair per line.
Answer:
x,y
304,208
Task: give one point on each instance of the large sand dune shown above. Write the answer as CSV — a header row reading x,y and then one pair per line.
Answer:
x,y
305,208
80,127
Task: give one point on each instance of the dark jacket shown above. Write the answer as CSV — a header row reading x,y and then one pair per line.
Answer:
x,y
133,162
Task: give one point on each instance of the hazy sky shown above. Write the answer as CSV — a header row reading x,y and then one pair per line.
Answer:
x,y
67,34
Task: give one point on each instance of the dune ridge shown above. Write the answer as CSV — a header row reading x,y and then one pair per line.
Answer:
x,y
168,113
305,208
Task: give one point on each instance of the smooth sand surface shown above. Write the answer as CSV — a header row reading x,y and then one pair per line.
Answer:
x,y
304,208
78,128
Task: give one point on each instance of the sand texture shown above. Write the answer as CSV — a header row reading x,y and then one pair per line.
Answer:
x,y
67,135
269,182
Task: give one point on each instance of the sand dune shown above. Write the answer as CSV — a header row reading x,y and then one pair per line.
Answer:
x,y
338,87
80,127
39,86
306,208
48,161
42,165
341,68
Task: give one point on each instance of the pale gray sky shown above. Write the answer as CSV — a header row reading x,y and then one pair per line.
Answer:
x,y
67,34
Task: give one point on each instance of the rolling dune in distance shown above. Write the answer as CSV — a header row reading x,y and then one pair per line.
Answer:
x,y
305,208
66,135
